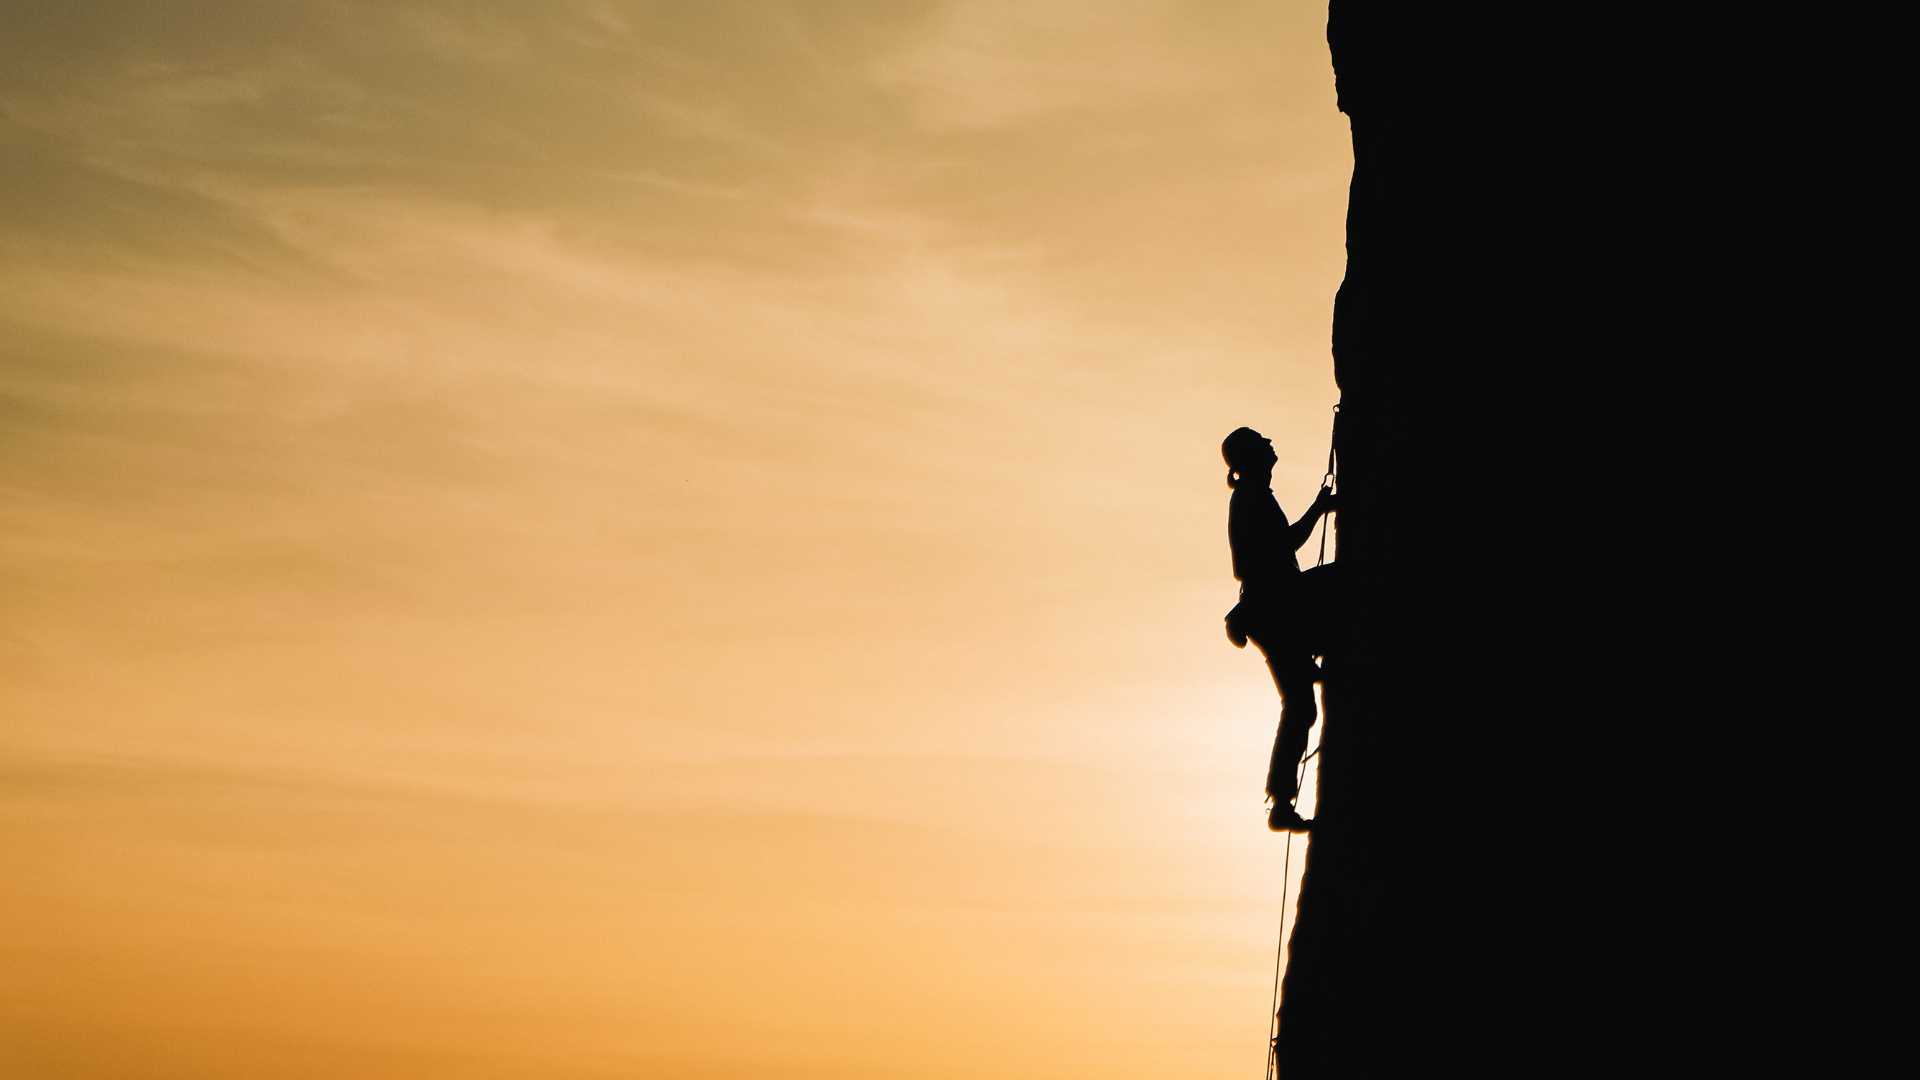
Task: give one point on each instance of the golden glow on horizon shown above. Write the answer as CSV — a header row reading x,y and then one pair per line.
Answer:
x,y
627,539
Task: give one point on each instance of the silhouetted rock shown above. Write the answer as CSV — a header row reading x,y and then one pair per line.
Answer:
x,y
1385,970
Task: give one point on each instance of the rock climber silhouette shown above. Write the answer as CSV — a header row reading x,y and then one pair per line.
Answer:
x,y
1281,610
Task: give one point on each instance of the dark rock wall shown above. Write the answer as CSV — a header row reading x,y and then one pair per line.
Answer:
x,y
1540,342
1373,987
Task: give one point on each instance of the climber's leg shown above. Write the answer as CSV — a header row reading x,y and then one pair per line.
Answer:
x,y
1293,676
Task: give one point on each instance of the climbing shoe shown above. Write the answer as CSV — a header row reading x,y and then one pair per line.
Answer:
x,y
1284,818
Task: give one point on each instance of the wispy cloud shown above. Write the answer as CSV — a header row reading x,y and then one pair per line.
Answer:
x,y
999,63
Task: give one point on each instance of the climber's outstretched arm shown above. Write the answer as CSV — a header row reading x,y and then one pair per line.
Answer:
x,y
1302,531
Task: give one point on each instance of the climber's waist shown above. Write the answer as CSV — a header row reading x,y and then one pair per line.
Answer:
x,y
1276,590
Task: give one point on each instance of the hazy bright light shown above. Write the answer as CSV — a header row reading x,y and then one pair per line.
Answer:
x,y
621,539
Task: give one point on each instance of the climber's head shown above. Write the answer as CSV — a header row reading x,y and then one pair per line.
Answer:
x,y
1248,453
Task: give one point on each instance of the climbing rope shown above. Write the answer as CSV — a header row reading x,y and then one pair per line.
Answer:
x,y
1280,946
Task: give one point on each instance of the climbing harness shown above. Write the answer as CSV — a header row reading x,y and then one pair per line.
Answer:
x,y
1330,480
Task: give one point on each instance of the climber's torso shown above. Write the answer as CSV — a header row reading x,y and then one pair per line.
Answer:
x,y
1263,561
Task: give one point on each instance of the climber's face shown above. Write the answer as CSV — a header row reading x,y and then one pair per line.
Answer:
x,y
1248,451
1264,455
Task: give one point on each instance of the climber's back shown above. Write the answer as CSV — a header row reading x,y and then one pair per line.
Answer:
x,y
1257,531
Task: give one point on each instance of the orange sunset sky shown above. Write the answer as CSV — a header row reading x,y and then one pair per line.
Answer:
x,y
678,539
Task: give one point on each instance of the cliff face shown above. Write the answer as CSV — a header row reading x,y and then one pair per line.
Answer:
x,y
1373,984
1508,756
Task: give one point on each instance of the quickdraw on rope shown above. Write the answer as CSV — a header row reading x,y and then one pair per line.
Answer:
x,y
1272,1066
1331,480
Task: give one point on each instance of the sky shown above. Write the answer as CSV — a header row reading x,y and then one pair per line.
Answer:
x,y
661,539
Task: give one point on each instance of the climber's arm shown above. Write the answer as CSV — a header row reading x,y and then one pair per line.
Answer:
x,y
1301,531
